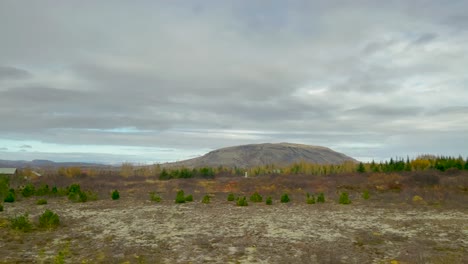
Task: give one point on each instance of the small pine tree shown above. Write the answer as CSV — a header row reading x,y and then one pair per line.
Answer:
x,y
466,164
10,197
320,198
269,201
189,198
231,197
49,219
256,198
180,197
344,198
361,168
242,201
285,198
115,195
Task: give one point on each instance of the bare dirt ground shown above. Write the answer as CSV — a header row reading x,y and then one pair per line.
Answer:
x,y
133,230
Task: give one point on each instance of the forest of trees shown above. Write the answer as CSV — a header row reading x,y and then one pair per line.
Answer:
x,y
422,163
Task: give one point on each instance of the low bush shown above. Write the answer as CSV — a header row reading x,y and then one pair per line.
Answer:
x,y
242,201
155,197
10,197
365,195
180,197
43,190
320,198
28,190
41,201
1,207
310,199
269,201
256,198
189,198
231,197
115,195
344,198
49,219
206,199
21,223
285,198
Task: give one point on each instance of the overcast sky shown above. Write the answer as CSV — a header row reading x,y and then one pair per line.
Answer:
x,y
156,81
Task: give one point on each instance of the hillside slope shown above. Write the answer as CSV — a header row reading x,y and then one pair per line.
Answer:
x,y
247,156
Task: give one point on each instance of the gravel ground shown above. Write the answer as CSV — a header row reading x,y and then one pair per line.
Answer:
x,y
134,231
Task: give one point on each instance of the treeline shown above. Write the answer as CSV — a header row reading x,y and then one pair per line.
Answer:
x,y
421,163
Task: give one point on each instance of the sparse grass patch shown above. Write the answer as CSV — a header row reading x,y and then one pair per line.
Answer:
x,y
256,198
21,223
365,195
115,195
242,201
285,198
41,201
49,219
269,201
155,197
320,198
310,199
206,199
344,198
231,197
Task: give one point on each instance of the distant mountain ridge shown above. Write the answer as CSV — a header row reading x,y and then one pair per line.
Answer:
x,y
45,163
254,155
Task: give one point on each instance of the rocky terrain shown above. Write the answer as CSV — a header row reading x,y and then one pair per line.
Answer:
x,y
281,154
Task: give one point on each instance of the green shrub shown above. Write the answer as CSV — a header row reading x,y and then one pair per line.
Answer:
x,y
115,195
49,219
344,198
28,190
78,197
180,197
310,199
365,195
21,223
320,198
1,207
74,188
41,201
189,198
242,201
10,197
269,201
231,197
256,198
91,196
285,198
43,190
154,197
4,187
206,199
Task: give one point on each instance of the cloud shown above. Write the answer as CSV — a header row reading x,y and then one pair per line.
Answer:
x,y
25,146
202,75
8,72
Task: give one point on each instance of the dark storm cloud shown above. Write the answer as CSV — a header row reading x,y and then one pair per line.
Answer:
x,y
357,76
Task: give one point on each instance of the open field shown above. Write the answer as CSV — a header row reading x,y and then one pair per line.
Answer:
x,y
390,226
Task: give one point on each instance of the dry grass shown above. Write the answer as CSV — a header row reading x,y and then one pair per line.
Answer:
x,y
388,226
